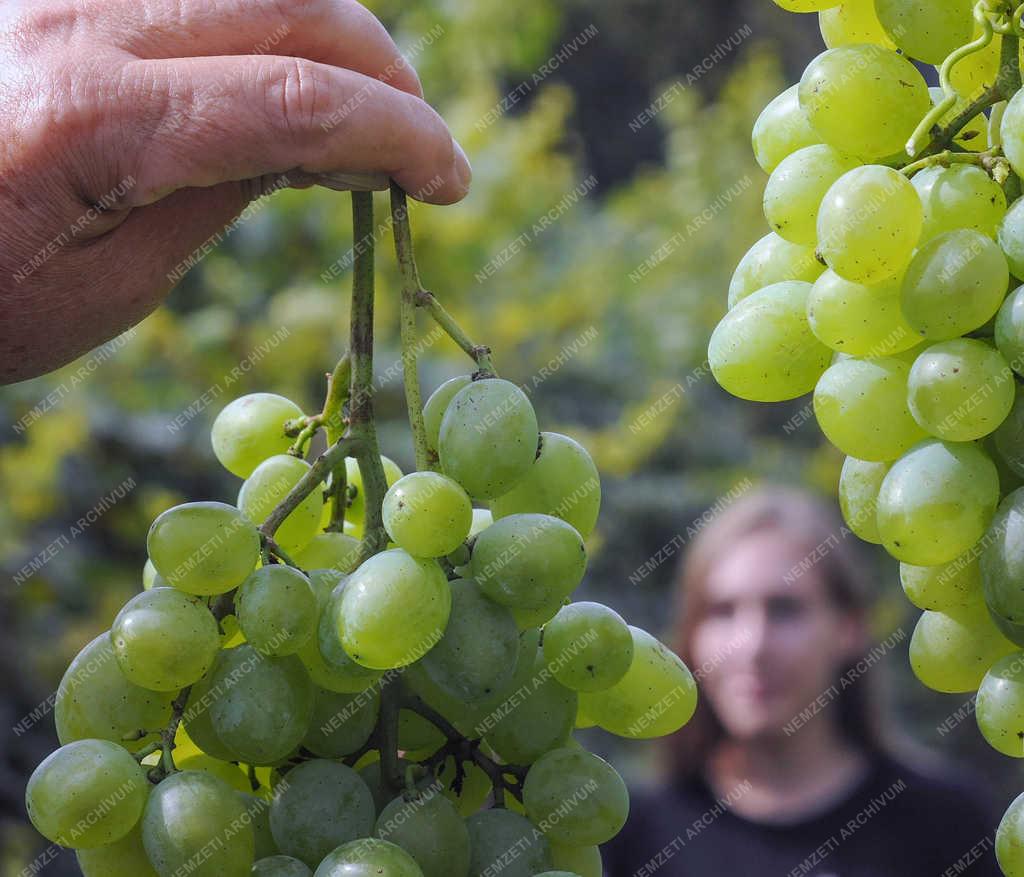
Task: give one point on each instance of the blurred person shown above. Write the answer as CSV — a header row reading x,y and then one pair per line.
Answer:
x,y
785,771
135,131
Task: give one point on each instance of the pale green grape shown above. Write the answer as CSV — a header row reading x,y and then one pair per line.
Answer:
x,y
1002,563
151,578
960,390
322,806
493,833
588,646
198,722
428,827
122,858
944,587
164,639
959,196
656,697
427,514
1010,235
477,654
488,437
1008,439
859,483
86,794
869,222
951,651
261,706
954,284
974,136
763,349
861,406
528,560
354,480
346,675
369,857
857,319
927,31
863,99
437,404
1012,131
96,701
978,71
203,547
258,811
280,866
1010,840
527,618
267,486
482,519
771,260
337,551
563,481
852,23
796,188
584,861
936,501
370,773
780,130
341,723
195,824
999,708
231,773
277,609
250,429
393,609
600,802
804,5
1009,330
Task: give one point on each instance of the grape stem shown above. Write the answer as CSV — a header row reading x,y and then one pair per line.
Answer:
x,y
480,354
332,417
166,743
991,160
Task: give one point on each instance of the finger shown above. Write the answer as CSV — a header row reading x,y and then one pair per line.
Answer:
x,y
277,114
342,33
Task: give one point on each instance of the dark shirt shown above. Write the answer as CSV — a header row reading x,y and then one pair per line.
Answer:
x,y
896,822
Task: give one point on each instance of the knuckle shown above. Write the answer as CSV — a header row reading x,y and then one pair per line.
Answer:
x,y
298,95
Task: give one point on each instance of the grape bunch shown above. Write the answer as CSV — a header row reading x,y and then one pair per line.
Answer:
x,y
352,670
889,287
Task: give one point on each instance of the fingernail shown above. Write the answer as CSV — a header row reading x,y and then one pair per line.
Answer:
x,y
463,169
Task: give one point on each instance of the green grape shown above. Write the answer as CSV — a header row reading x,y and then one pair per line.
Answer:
x,y
974,135
1009,330
151,578
164,639
197,720
261,706
959,196
482,519
437,404
477,654
416,734
857,319
927,31
859,483
533,718
954,284
528,560
999,708
277,609
258,811
488,437
86,794
951,651
250,429
584,861
588,646
476,787
656,697
341,723
527,618
796,187
231,773
977,72
1002,562
203,548
780,130
936,502
354,479
267,486
195,824
493,833
869,222
563,482
575,797
1009,437
122,858
1010,840
369,857
337,551
948,586
763,349
1010,236
866,100
1012,131
393,609
280,866
861,406
772,260
804,5
854,22
960,390
428,827
96,701
322,806
347,676
427,514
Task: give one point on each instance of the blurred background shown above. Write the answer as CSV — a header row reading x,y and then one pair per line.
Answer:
x,y
614,190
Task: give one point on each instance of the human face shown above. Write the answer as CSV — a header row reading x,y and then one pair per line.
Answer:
x,y
767,647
